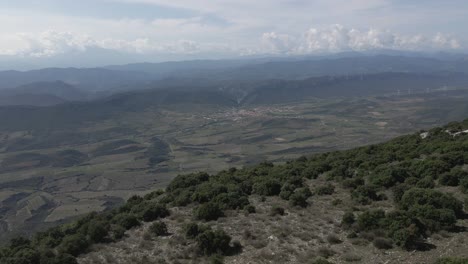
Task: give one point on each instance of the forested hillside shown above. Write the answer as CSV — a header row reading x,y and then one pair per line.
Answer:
x,y
393,199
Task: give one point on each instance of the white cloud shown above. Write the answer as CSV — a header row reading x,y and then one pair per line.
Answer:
x,y
51,43
278,43
338,38
237,27
334,38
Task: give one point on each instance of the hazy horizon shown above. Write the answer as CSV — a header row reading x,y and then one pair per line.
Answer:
x,y
102,32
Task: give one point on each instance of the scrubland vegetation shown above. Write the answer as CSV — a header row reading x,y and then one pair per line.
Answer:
x,y
427,178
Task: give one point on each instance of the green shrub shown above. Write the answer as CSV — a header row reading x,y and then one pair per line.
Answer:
x,y
300,196
208,212
98,231
464,184
153,212
192,230
64,259
207,191
158,229
250,209
313,171
433,218
348,219
118,232
328,189
277,210
154,194
403,228
370,220
25,256
74,245
426,182
131,202
231,200
267,187
449,179
186,181
213,242
412,181
286,191
127,221
365,194
388,177
353,183
382,243
436,199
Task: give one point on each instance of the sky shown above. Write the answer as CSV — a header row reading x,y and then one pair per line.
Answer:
x,y
108,31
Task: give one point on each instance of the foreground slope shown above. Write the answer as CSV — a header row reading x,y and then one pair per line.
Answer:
x,y
397,202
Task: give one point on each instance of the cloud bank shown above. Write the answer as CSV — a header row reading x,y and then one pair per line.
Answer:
x,y
158,30
330,39
337,38
51,43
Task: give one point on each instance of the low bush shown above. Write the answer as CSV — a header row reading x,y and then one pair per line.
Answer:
x,y
213,242
267,187
328,189
365,194
126,220
208,212
382,243
300,196
348,219
250,209
333,239
73,245
158,229
370,220
277,210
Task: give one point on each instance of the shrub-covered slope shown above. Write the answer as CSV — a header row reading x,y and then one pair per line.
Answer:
x,y
399,196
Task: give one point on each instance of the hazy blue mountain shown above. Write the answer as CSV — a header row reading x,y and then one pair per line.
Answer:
x,y
344,66
58,88
300,67
30,100
281,91
228,94
92,79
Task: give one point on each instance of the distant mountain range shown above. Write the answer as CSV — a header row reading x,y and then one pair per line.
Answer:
x,y
227,94
93,79
42,94
235,77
